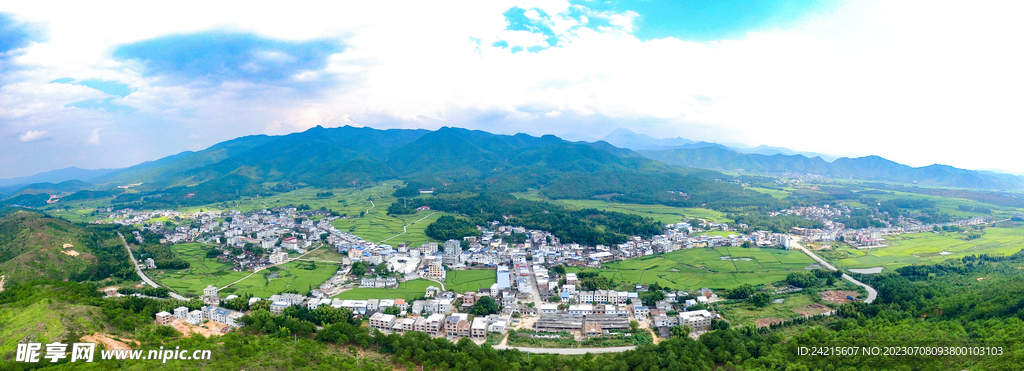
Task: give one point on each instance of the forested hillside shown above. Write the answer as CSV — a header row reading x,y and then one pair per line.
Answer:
x,y
448,159
34,246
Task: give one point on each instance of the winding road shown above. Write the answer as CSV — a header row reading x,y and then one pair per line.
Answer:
x,y
145,278
872,293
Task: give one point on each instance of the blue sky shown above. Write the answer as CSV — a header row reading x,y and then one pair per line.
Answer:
x,y
158,80
710,20
218,56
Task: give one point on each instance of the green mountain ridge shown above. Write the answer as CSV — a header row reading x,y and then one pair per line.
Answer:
x,y
862,168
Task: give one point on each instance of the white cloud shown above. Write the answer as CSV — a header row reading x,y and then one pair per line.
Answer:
x,y
916,82
34,136
94,137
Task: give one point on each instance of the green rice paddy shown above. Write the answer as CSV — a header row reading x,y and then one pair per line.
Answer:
x,y
706,267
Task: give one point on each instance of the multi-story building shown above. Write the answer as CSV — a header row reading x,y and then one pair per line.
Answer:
x,y
382,322
457,325
435,324
164,318
479,328
698,320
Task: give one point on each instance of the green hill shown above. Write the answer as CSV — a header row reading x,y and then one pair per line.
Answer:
x,y
32,246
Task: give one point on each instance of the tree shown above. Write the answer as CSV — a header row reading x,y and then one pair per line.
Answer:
x,y
358,269
484,306
680,331
392,310
747,244
760,299
741,292
558,269
634,326
382,270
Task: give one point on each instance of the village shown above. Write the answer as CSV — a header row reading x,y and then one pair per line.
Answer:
x,y
524,288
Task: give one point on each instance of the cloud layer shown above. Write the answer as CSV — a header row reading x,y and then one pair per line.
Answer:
x,y
918,83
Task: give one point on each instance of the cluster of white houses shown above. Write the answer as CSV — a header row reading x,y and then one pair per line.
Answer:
x,y
198,316
451,325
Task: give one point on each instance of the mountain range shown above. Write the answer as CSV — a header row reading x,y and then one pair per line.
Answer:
x,y
347,156
864,168
626,138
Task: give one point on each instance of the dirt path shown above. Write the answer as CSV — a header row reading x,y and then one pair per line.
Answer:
x,y
107,342
405,227
257,271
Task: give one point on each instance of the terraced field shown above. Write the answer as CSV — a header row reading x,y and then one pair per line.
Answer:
x,y
717,268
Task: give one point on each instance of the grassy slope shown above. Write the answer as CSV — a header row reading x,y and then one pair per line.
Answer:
x,y
45,321
31,247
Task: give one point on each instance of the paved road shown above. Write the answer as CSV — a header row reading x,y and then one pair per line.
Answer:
x,y
567,350
145,278
872,293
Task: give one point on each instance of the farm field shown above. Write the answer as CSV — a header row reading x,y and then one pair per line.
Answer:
x,y
925,248
297,275
772,192
717,233
470,280
372,201
201,273
706,267
662,213
409,290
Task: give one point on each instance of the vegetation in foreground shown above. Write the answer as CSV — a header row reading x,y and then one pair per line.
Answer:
x,y
926,305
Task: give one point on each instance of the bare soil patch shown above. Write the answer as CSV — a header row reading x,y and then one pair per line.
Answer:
x,y
813,310
838,297
765,322
107,341
206,329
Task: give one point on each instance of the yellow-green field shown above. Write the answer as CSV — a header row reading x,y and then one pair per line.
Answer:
x,y
662,213
470,280
409,291
705,267
925,247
